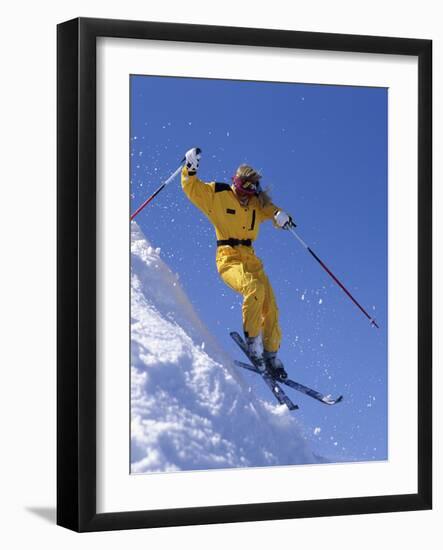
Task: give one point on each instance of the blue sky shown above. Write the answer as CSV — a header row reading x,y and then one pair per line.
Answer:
x,y
322,151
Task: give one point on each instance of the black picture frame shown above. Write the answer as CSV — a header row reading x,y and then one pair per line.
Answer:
x,y
76,265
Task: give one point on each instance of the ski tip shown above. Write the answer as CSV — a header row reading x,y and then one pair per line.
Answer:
x,y
328,400
339,399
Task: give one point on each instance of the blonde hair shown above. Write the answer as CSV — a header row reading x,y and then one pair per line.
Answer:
x,y
251,174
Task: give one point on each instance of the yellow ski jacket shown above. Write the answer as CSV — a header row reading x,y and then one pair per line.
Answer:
x,y
221,206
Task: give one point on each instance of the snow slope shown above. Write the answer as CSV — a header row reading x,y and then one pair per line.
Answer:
x,y
190,408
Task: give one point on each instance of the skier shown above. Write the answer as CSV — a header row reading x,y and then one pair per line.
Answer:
x,y
236,211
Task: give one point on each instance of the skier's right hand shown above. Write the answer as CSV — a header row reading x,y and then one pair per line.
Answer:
x,y
192,158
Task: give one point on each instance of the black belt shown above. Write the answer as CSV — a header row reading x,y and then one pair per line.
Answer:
x,y
235,242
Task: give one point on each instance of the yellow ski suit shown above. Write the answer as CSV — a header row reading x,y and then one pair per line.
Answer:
x,y
237,264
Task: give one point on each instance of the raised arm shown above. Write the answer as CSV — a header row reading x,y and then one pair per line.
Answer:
x,y
198,192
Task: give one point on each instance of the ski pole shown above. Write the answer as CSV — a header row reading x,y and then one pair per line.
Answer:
x,y
329,272
157,191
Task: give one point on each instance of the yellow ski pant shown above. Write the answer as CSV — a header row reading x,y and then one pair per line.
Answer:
x,y
243,271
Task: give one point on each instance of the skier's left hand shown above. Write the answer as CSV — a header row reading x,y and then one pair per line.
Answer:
x,y
284,220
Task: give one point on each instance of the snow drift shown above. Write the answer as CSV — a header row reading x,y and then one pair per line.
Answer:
x,y
190,407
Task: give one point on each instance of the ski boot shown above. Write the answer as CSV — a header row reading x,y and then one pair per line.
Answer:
x,y
255,352
274,366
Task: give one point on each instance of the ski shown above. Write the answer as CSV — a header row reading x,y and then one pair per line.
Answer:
x,y
279,394
326,399
272,384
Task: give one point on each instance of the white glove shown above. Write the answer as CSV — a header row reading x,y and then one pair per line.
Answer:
x,y
193,159
283,220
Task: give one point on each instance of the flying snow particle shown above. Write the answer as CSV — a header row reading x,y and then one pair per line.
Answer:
x,y
317,430
320,301
227,134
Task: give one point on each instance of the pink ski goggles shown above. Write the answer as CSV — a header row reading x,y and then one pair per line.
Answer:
x,y
244,187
